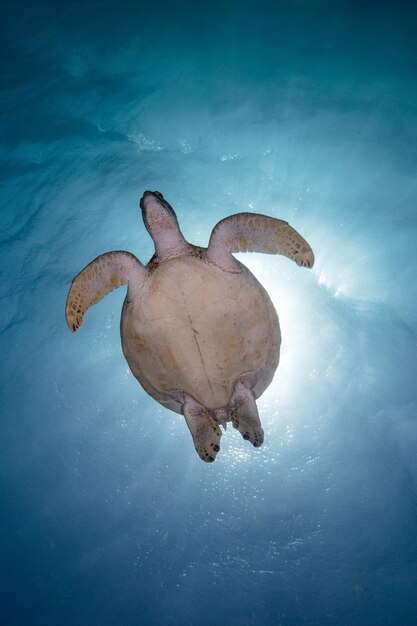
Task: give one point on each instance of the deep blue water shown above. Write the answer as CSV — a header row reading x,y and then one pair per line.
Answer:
x,y
306,111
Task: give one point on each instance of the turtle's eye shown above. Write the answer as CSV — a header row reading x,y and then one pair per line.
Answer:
x,y
159,194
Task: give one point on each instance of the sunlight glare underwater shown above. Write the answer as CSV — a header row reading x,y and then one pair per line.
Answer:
x,y
300,110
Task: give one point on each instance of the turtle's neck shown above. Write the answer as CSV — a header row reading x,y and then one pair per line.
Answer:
x,y
170,243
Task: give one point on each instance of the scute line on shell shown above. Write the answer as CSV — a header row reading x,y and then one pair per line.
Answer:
x,y
205,306
195,332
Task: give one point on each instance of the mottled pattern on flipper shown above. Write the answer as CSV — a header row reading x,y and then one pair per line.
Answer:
x,y
252,232
100,277
205,431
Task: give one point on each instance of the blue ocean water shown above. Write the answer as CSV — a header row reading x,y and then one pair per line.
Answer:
x,y
304,110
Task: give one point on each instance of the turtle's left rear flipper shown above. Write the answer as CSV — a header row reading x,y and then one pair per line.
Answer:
x,y
205,431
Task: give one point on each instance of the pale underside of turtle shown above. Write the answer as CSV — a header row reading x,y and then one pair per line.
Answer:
x,y
198,331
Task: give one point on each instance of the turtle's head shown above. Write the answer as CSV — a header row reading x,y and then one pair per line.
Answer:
x,y
161,223
156,212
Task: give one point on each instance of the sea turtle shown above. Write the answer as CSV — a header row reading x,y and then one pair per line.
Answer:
x,y
198,331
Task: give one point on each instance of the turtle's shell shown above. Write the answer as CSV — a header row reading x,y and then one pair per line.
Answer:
x,y
195,328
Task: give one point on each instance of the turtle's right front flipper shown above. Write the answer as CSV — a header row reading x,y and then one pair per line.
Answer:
x,y
253,232
105,273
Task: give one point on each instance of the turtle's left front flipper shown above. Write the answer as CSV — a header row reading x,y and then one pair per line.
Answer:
x,y
105,273
252,232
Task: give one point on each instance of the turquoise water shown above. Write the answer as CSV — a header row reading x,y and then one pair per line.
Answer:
x,y
302,110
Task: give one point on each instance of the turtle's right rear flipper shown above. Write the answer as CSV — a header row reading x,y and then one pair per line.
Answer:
x,y
244,415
